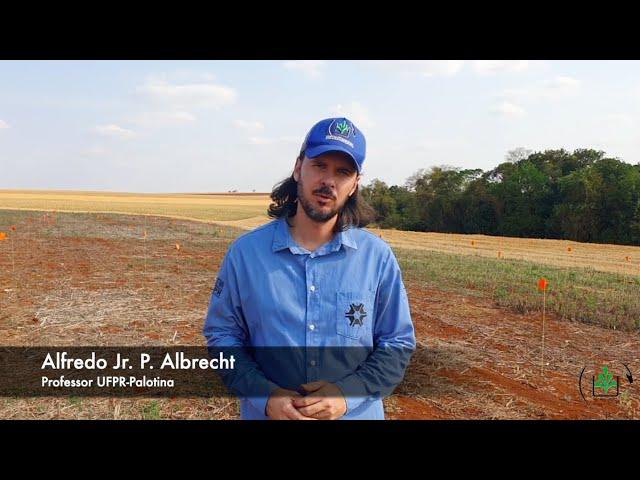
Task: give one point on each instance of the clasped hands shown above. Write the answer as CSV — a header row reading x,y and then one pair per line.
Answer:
x,y
324,401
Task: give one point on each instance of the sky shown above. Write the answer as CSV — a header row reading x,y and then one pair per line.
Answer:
x,y
215,126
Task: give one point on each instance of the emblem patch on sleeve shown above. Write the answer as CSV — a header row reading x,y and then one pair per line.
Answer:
x,y
217,290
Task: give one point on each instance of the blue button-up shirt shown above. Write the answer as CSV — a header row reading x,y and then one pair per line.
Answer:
x,y
339,313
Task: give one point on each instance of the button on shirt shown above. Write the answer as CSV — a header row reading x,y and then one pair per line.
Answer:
x,y
312,307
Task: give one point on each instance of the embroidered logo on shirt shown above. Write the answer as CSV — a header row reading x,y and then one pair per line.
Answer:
x,y
356,314
217,290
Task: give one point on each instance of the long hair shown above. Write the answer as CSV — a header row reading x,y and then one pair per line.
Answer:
x,y
356,211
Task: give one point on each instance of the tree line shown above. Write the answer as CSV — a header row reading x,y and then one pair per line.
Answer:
x,y
581,195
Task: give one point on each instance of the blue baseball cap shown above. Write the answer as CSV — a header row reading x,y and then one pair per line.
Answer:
x,y
335,135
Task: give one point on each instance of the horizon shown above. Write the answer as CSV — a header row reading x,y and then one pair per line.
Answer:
x,y
364,182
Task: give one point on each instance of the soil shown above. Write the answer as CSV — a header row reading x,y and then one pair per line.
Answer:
x,y
96,279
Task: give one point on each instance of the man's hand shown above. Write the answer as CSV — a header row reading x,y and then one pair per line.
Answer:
x,y
324,402
280,406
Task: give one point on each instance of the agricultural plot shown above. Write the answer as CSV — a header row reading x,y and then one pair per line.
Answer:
x,y
107,279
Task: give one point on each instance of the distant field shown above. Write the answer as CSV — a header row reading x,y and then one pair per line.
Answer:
x,y
248,211
205,207
619,259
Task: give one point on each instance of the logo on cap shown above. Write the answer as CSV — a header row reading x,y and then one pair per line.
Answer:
x,y
341,130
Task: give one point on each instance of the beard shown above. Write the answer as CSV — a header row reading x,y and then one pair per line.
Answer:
x,y
311,211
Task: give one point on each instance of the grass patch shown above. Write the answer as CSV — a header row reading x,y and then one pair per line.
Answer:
x,y
585,295
151,411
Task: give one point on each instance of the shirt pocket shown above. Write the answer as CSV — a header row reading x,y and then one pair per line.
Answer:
x,y
355,315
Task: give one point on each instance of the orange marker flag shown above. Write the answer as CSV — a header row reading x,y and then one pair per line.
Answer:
x,y
3,236
177,246
542,284
13,228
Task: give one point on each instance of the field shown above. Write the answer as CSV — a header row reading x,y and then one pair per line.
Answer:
x,y
96,279
186,206
247,211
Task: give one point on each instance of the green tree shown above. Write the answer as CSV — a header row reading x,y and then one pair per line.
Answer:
x,y
580,195
525,198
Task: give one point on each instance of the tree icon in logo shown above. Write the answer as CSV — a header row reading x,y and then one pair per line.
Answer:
x,y
605,380
343,127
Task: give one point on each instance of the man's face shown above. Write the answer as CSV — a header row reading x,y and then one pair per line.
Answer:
x,y
325,183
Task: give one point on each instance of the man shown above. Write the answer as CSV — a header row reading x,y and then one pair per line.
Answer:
x,y
319,302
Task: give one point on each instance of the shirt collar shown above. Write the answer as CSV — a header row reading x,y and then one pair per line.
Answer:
x,y
282,239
